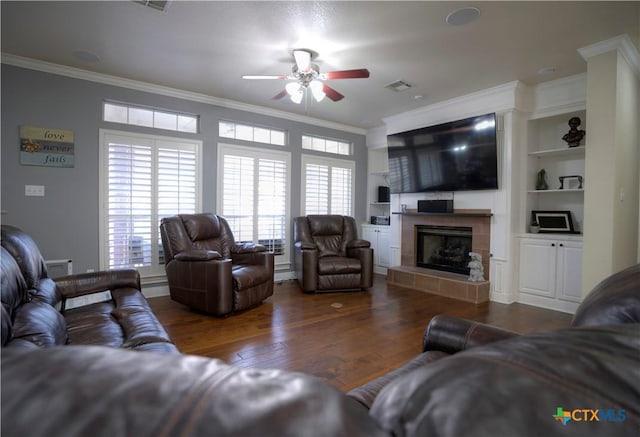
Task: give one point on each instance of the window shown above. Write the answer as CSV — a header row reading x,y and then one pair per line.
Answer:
x,y
149,117
327,185
326,145
254,196
256,134
143,179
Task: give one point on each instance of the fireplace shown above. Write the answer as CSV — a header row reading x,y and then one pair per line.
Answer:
x,y
444,248
411,274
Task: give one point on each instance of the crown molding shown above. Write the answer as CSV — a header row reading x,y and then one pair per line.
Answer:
x,y
622,43
559,96
106,79
498,99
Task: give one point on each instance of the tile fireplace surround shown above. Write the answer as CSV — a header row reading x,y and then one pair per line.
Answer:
x,y
443,283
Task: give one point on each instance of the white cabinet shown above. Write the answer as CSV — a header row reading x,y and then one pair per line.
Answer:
x,y
551,272
379,238
547,150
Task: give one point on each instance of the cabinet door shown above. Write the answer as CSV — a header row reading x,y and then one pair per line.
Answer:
x,y
538,267
370,234
384,248
569,273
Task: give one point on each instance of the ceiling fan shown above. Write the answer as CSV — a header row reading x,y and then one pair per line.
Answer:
x,y
306,75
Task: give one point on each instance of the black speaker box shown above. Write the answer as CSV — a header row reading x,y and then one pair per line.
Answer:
x,y
383,194
435,206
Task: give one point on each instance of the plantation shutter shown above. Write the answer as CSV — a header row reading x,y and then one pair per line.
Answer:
x,y
316,189
177,190
238,200
272,204
129,204
145,179
328,186
341,188
255,196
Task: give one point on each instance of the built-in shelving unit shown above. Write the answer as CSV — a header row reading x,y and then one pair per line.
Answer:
x,y
546,150
378,176
551,264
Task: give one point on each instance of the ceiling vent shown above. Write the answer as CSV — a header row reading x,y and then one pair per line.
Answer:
x,y
398,85
158,5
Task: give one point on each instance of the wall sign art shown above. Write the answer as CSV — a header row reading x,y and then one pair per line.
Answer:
x,y
46,147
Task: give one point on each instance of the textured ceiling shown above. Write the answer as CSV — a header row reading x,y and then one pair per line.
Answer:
x,y
205,47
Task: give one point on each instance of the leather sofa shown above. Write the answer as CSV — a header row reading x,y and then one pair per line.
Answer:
x,y
329,256
580,381
208,271
613,302
34,313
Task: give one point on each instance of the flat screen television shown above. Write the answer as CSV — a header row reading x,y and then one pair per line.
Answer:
x,y
455,156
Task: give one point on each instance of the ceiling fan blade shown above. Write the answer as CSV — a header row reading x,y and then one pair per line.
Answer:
x,y
303,60
331,93
360,73
280,95
282,76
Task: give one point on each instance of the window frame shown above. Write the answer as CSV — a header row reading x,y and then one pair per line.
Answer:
x,y
155,271
314,138
331,162
282,262
155,113
254,128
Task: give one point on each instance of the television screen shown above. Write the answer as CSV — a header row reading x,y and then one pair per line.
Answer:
x,y
455,156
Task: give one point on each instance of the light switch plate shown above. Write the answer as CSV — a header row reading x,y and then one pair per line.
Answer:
x,y
34,190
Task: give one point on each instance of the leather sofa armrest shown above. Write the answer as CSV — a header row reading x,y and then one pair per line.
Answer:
x,y
453,334
198,255
95,282
305,245
356,244
247,248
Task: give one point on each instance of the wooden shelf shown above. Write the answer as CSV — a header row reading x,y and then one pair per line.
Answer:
x,y
581,190
558,153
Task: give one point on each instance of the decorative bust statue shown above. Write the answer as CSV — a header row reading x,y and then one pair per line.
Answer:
x,y
575,135
476,270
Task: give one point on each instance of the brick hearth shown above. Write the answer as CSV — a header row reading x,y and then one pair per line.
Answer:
x,y
434,281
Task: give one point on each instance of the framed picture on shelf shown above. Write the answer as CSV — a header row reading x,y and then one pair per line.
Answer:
x,y
570,182
553,221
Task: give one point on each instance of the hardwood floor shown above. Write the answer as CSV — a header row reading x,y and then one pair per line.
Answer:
x,y
345,339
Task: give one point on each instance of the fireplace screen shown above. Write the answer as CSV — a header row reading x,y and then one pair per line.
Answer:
x,y
443,248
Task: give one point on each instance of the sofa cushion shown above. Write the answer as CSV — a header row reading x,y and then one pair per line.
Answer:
x,y
327,234
248,276
40,324
201,226
613,301
126,321
13,288
337,265
24,250
114,392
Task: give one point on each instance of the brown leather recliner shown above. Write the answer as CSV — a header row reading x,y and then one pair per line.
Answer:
x,y
208,271
329,256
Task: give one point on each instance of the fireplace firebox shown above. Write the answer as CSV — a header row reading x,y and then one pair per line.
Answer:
x,y
443,248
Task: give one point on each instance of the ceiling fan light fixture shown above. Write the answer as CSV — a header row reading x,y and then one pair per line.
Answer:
x,y
317,91
292,88
297,97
